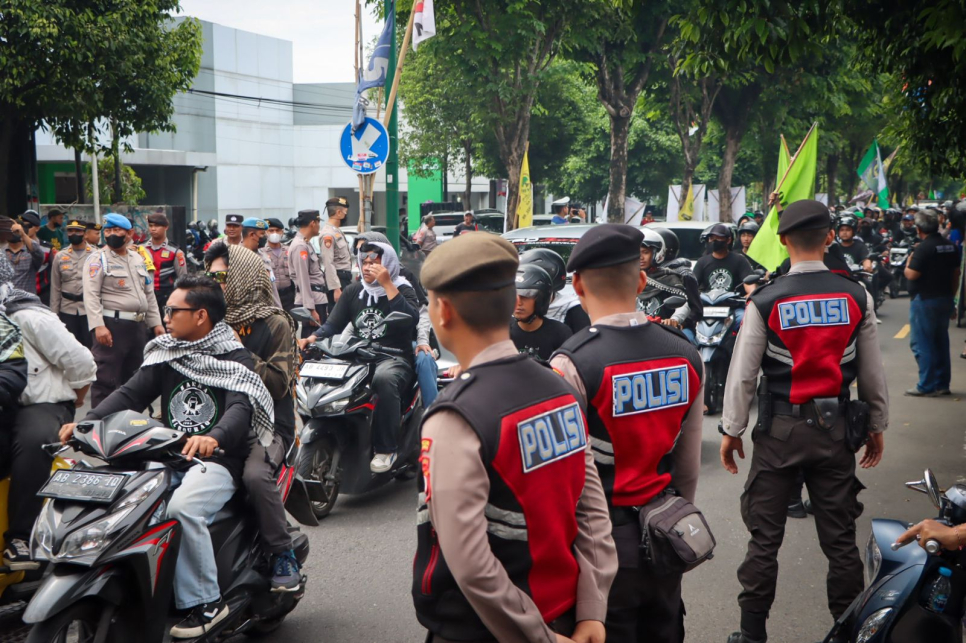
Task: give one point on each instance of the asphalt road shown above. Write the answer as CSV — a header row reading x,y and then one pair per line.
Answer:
x,y
360,568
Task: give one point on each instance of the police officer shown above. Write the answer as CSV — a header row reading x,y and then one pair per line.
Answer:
x,y
67,283
335,242
169,261
92,234
122,310
811,332
31,226
255,238
277,257
303,263
233,229
643,448
513,541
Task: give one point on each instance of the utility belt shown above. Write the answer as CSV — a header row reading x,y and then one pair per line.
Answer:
x,y
72,297
821,412
124,315
287,289
313,288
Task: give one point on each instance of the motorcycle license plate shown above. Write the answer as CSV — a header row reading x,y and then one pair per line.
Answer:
x,y
716,311
324,370
83,486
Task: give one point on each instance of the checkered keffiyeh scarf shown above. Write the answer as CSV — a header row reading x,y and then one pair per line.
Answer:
x,y
196,360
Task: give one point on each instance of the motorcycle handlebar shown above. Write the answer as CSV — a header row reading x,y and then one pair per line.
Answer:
x,y
387,349
933,547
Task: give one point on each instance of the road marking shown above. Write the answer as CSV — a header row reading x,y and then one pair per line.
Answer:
x,y
903,332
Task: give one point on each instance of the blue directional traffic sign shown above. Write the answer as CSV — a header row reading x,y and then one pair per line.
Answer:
x,y
365,150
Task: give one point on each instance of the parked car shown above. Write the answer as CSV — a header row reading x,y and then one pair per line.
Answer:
x,y
689,235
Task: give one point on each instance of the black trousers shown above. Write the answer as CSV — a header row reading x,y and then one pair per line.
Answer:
x,y
77,325
287,297
323,312
33,426
162,298
642,607
829,470
259,478
117,364
392,377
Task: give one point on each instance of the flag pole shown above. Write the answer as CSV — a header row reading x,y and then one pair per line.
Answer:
x,y
791,162
402,58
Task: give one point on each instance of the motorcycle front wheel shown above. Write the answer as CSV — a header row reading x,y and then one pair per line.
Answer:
x,y
80,623
315,463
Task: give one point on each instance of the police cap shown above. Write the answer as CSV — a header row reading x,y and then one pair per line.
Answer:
x,y
93,225
158,218
30,217
234,219
339,201
306,217
471,262
605,245
274,223
76,224
806,214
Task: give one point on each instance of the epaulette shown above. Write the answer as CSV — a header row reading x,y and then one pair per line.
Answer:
x,y
580,339
672,329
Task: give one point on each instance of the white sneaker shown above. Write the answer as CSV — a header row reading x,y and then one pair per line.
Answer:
x,y
382,462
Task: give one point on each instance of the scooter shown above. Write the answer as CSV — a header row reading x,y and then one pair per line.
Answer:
x,y
715,334
112,552
907,599
898,254
336,402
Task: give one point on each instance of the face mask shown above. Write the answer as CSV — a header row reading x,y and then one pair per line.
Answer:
x,y
115,241
57,225
75,239
16,238
719,246
275,238
262,241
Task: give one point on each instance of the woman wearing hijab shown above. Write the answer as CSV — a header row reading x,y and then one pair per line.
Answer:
x,y
365,303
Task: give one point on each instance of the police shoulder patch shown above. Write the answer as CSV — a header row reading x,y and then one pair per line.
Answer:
x,y
551,436
650,390
93,268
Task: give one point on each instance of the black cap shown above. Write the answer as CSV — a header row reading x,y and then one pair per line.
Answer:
x,y
806,214
306,217
93,225
274,223
340,201
608,244
234,219
30,217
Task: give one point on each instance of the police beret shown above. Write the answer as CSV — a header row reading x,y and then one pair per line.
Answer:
x,y
474,261
30,217
76,224
340,201
274,223
233,219
306,217
255,222
605,245
158,218
806,214
114,220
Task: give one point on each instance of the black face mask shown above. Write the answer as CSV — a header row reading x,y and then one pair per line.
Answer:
x,y
16,238
56,224
719,246
75,239
115,241
262,241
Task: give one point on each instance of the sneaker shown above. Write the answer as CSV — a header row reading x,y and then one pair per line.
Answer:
x,y
17,556
944,391
382,462
797,510
200,620
285,573
918,392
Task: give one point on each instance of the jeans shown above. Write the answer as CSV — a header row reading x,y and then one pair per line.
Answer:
x,y
426,372
391,378
929,340
194,503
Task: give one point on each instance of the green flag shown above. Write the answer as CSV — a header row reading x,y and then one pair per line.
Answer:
x,y
872,174
797,182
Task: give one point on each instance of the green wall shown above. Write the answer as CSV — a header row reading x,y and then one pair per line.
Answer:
x,y
422,189
45,179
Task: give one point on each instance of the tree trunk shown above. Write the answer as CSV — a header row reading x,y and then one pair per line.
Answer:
x,y
8,127
468,170
620,127
831,173
79,174
733,137
514,164
116,146
445,178
733,109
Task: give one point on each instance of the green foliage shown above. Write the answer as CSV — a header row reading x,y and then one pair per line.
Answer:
x,y
131,191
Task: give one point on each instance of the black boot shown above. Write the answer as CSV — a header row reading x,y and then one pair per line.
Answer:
x,y
797,509
752,628
738,637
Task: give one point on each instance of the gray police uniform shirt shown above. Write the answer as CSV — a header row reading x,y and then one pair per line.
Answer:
x,y
332,238
278,258
67,277
114,282
306,273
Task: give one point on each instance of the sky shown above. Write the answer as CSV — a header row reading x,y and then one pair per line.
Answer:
x,y
321,30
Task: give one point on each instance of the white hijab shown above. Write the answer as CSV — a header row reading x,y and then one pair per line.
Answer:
x,y
390,262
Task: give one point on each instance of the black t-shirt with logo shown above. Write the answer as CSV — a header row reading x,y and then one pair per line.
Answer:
x,y
723,274
854,254
542,342
936,258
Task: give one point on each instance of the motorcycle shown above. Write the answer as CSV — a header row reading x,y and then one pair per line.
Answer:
x,y
112,553
870,283
898,254
336,402
906,597
715,333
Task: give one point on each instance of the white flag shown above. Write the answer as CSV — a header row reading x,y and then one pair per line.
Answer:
x,y
425,22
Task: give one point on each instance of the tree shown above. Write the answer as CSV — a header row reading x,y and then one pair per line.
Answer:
x,y
129,191
67,65
691,101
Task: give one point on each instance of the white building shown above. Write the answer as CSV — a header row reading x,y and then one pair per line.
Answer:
x,y
256,143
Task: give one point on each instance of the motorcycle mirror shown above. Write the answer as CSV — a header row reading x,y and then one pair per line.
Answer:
x,y
302,315
675,302
751,279
394,319
932,488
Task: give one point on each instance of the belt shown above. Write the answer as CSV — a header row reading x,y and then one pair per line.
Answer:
x,y
72,297
781,407
124,315
316,288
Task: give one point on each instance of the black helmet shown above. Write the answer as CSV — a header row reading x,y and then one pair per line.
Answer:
x,y
293,223
846,221
749,226
551,262
672,246
213,225
533,281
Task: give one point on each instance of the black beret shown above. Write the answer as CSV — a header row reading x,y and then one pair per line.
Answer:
x,y
158,218
605,245
274,223
475,261
31,217
340,201
806,214
306,217
234,219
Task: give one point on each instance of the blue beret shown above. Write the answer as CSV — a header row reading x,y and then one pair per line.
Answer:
x,y
117,221
254,222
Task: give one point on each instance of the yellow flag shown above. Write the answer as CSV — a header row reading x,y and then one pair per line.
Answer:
x,y
686,213
525,208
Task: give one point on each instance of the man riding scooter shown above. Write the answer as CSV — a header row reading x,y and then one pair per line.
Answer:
x,y
662,284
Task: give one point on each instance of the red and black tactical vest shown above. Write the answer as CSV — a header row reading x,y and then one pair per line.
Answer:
x,y
533,438
164,266
812,321
641,382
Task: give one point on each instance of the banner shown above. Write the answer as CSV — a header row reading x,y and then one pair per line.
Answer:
x,y
713,209
375,73
675,205
525,207
424,23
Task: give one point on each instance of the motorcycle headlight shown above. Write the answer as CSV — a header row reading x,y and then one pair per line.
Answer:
x,y
142,492
337,406
873,560
85,544
873,625
42,540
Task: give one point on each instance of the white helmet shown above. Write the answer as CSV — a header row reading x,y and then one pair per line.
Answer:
x,y
655,242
